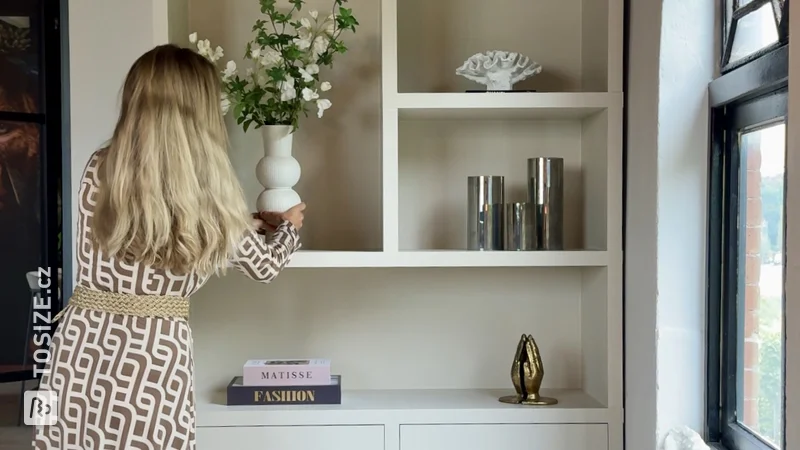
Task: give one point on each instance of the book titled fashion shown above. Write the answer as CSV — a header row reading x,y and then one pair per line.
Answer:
x,y
287,372
240,394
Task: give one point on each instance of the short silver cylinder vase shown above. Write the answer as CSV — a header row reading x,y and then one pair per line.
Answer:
x,y
546,196
486,197
519,227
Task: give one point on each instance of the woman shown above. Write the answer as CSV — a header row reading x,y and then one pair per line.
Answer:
x,y
160,212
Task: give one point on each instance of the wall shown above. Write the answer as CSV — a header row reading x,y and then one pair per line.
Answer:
x,y
641,223
104,40
792,283
671,61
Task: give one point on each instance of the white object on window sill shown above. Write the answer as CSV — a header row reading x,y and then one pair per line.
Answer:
x,y
684,438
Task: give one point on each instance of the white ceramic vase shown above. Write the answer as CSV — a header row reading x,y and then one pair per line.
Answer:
x,y
277,171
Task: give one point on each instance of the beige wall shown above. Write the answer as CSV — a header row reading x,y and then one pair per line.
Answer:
x,y
792,299
105,37
340,153
667,173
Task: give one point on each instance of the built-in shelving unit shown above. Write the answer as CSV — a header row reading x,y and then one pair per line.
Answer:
x,y
422,330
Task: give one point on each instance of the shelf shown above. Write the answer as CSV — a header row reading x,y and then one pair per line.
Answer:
x,y
512,105
410,407
450,258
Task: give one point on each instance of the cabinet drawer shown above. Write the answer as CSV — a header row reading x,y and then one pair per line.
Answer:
x,y
504,436
291,438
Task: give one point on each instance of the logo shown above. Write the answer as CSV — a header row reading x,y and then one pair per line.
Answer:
x,y
41,407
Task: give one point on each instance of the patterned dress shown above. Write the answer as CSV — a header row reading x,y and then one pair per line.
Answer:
x,y
126,382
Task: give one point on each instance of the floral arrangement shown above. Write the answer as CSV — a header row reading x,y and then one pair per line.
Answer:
x,y
285,58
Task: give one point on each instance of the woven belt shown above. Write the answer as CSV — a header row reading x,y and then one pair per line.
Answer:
x,y
164,306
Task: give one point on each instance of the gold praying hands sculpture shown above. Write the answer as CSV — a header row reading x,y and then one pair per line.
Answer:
x,y
527,373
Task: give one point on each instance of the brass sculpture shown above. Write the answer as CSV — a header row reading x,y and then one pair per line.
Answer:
x,y
527,373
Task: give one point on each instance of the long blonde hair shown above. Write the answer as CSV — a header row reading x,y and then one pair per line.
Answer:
x,y
168,194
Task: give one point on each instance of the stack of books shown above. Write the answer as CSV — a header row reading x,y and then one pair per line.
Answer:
x,y
286,382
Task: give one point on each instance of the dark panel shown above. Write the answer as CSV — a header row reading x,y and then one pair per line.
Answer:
x,y
20,233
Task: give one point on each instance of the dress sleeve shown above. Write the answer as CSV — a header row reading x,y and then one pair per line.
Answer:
x,y
262,259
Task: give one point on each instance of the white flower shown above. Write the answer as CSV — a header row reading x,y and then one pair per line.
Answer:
x,y
193,38
204,48
306,76
255,53
313,69
287,89
325,86
313,13
303,39
288,94
270,58
319,46
225,103
330,25
218,52
322,105
230,70
305,23
249,72
309,95
301,43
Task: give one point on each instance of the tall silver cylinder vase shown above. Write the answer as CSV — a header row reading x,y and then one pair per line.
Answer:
x,y
485,225
546,198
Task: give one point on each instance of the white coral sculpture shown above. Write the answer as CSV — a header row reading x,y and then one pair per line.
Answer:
x,y
498,70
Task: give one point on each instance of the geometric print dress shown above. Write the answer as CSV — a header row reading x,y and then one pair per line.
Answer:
x,y
126,382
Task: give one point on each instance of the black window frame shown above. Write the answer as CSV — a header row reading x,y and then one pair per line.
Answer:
x,y
753,92
731,13
49,118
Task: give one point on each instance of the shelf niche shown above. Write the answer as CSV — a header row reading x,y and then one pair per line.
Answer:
x,y
340,153
436,157
409,330
569,38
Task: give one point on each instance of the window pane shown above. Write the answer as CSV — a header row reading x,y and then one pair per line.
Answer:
x,y
754,32
20,236
760,339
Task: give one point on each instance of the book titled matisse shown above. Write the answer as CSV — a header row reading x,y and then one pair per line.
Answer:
x,y
287,372
240,394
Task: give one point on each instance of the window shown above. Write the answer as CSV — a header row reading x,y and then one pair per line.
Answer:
x,y
746,229
30,168
752,28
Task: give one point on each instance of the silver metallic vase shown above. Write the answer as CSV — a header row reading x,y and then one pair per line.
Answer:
x,y
546,198
485,196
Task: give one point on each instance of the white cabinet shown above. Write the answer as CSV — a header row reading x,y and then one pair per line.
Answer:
x,y
291,438
504,436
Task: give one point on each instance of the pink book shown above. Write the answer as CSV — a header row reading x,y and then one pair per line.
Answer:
x,y
287,372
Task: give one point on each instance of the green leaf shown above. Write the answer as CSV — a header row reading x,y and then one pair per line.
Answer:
x,y
237,110
267,6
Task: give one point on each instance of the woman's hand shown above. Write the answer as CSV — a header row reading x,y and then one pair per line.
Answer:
x,y
273,219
